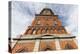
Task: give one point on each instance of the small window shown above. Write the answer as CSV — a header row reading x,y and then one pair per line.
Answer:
x,y
59,30
34,32
46,30
54,23
43,31
38,22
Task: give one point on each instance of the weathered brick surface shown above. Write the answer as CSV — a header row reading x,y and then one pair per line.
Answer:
x,y
44,23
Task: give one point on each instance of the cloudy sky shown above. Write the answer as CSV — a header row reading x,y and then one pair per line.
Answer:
x,y
24,12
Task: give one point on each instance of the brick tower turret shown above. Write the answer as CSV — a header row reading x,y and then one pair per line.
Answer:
x,y
46,23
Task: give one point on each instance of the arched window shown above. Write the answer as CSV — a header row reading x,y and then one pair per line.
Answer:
x,y
43,31
34,32
54,23
38,22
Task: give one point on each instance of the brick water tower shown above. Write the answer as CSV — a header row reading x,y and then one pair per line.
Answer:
x,y
45,33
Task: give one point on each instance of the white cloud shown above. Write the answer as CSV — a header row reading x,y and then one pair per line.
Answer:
x,y
24,12
21,18
73,22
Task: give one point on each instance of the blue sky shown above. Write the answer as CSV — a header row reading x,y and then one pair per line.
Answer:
x,y
24,12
